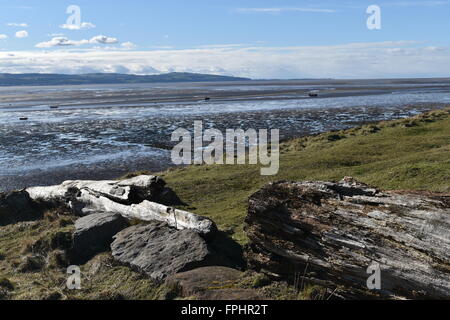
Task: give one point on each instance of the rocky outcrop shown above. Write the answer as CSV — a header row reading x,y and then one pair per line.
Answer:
x,y
159,250
330,233
94,233
17,206
132,198
163,241
212,283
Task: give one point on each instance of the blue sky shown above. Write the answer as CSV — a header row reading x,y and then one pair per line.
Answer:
x,y
259,39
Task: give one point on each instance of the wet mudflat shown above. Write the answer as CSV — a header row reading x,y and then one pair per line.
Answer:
x,y
101,132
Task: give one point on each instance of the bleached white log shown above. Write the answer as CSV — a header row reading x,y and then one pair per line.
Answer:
x,y
87,203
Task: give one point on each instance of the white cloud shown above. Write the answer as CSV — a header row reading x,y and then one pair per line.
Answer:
x,y
87,25
417,3
3,36
161,47
282,9
424,3
128,45
16,7
60,42
103,39
221,46
352,60
21,34
64,42
14,24
434,48
82,26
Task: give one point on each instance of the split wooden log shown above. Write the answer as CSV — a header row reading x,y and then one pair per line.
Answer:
x,y
87,203
129,198
126,191
334,231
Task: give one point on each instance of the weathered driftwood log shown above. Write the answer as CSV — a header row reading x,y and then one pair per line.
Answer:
x,y
333,231
85,203
128,198
134,190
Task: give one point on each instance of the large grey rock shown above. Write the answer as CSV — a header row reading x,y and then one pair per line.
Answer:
x,y
17,206
159,250
334,231
94,233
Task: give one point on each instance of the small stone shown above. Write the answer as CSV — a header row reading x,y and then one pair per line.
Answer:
x,y
31,263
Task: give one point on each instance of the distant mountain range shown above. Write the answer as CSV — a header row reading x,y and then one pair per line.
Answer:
x,y
42,79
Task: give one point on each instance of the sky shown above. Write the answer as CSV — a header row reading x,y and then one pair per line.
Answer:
x,y
281,39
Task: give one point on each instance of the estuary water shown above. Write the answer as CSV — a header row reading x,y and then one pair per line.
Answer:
x,y
104,131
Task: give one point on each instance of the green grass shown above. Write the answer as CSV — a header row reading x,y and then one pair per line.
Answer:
x,y
402,154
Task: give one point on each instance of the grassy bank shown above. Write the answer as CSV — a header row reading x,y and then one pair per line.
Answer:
x,y
403,154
